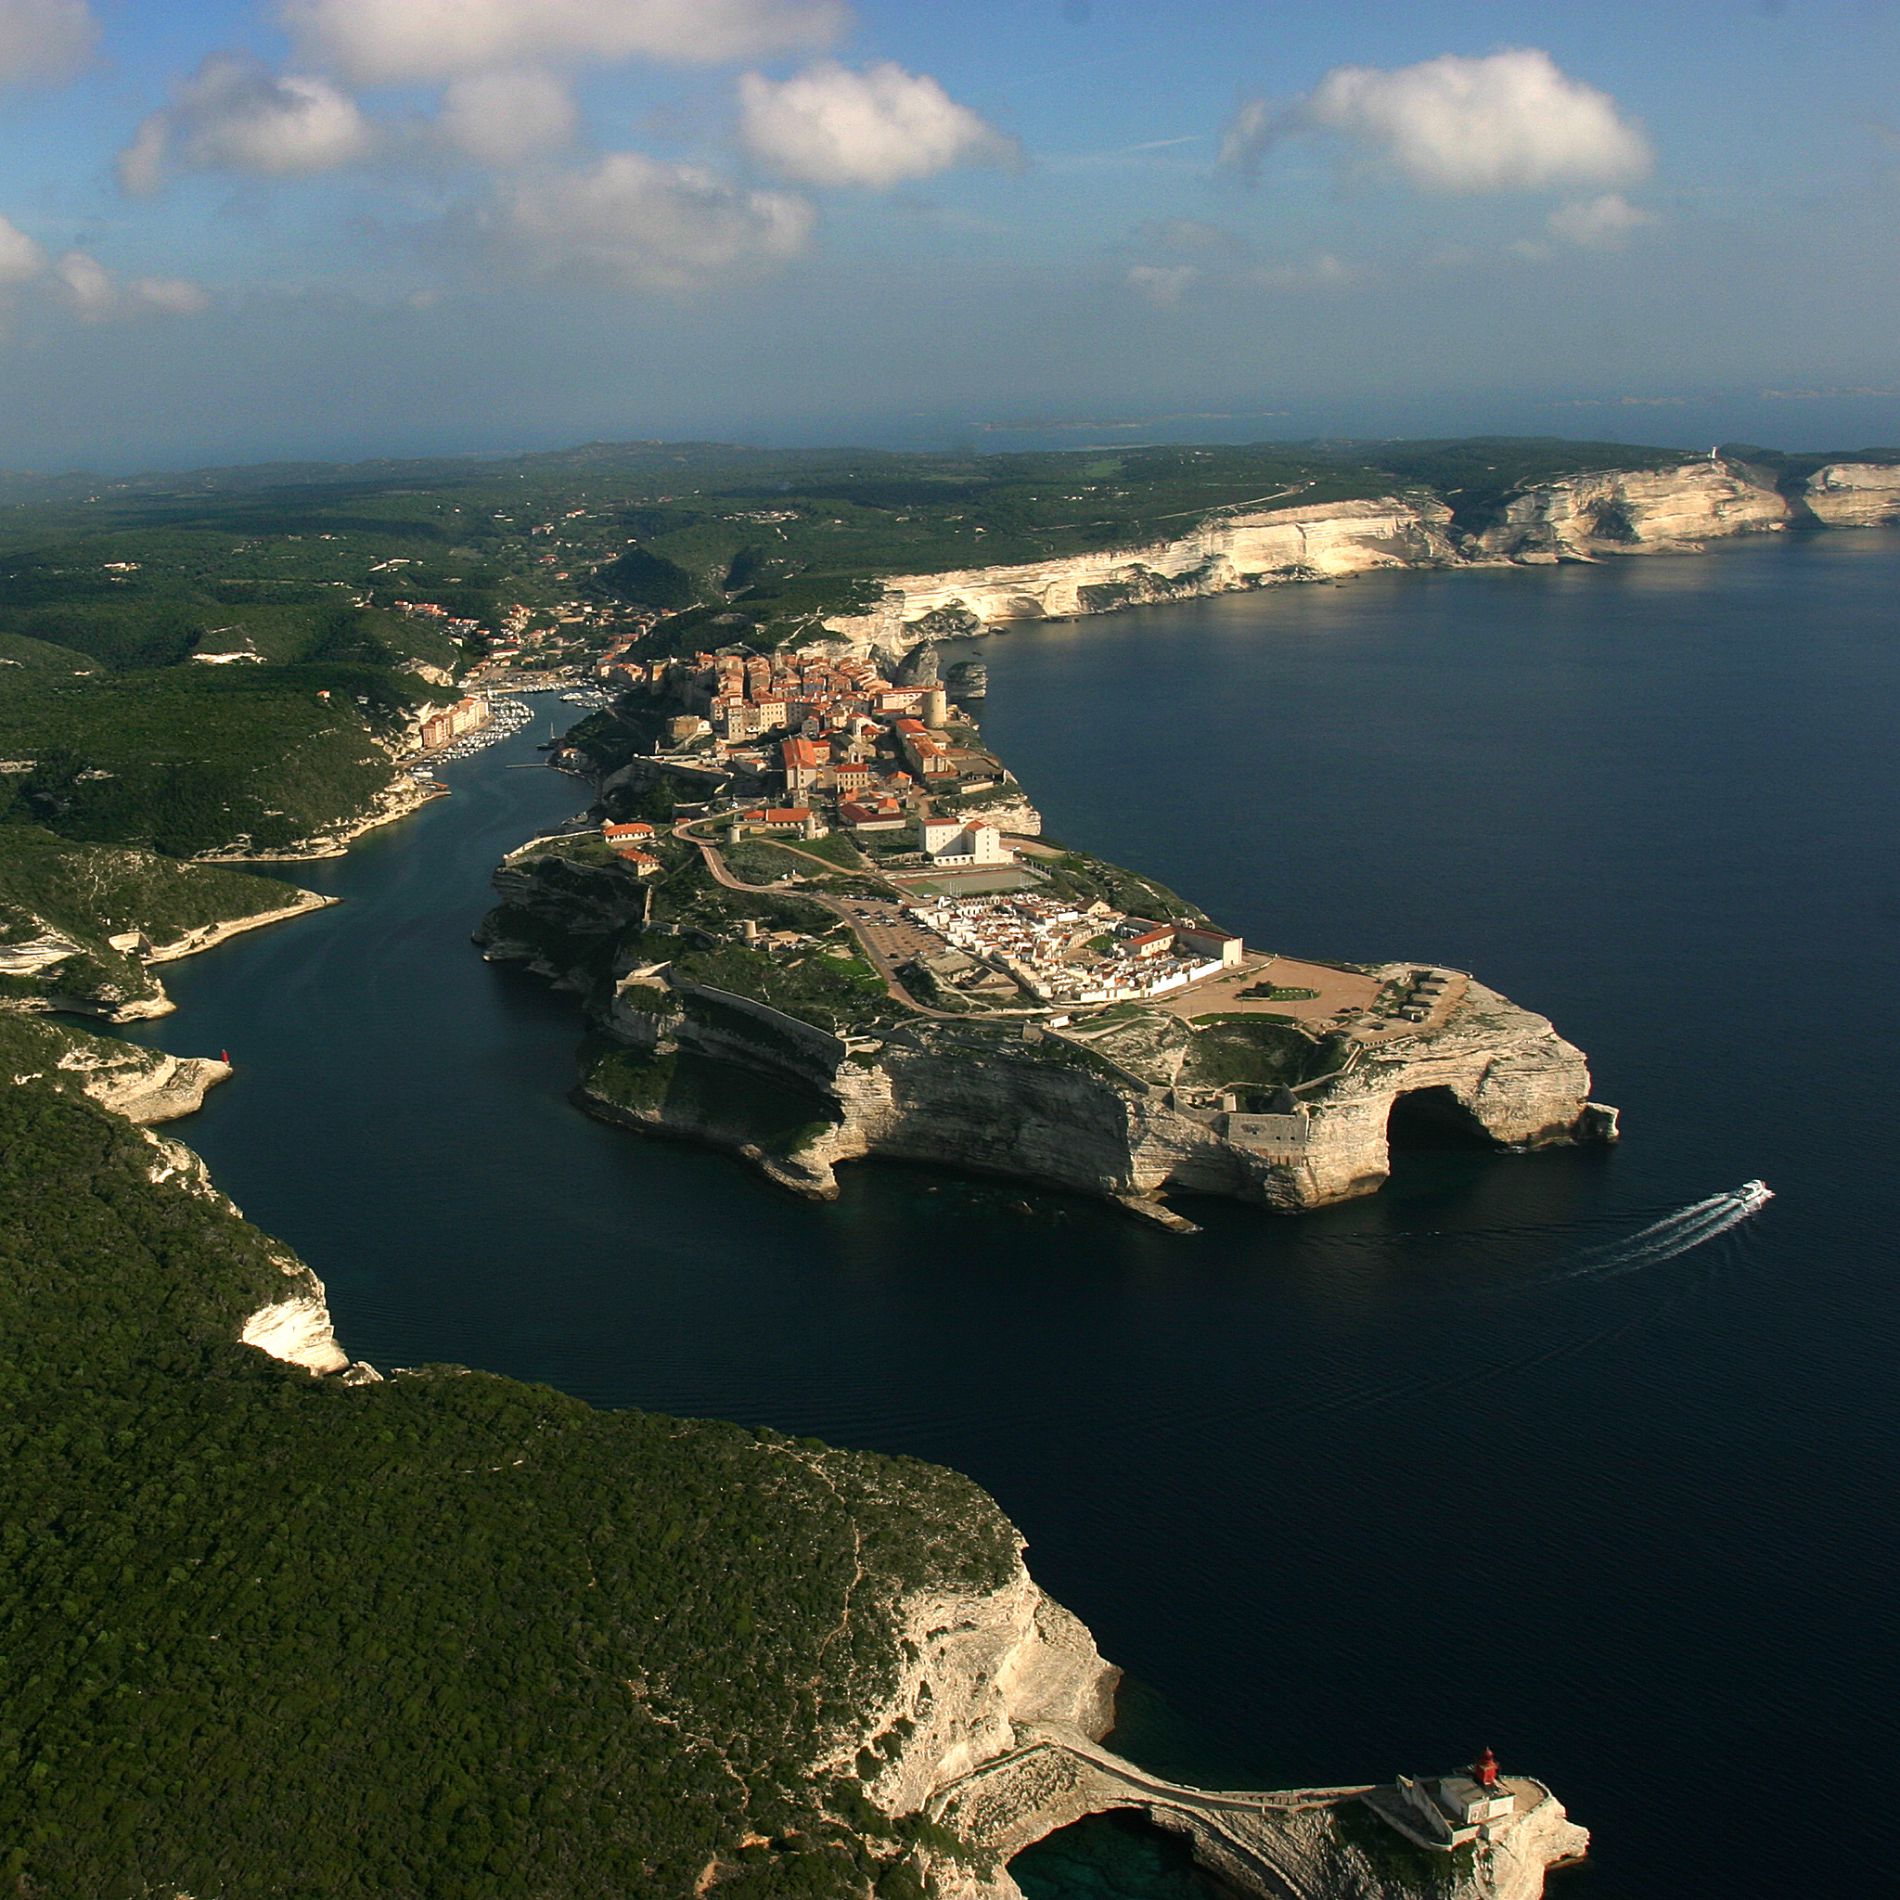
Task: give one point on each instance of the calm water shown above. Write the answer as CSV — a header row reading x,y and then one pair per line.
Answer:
x,y
1346,1495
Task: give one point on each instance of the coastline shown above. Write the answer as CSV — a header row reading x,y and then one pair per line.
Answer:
x,y
1586,520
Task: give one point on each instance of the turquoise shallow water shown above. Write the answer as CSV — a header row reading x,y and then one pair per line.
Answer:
x,y
1345,1495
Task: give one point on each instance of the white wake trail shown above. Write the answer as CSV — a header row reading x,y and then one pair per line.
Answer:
x,y
1675,1234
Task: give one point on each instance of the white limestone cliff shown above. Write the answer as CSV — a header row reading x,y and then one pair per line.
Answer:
x,y
925,1093
144,1085
1586,517
296,1328
1854,494
1221,555
978,1672
1633,511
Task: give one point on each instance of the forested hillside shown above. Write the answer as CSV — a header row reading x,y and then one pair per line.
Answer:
x,y
445,1635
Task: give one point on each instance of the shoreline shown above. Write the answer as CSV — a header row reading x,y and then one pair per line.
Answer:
x,y
1544,527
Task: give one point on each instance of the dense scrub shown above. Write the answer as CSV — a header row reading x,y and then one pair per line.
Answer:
x,y
188,760
51,888
448,1635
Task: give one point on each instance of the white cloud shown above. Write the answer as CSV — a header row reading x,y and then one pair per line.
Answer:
x,y
21,260
43,40
1324,272
1247,134
83,286
1161,284
1510,121
173,296
80,285
500,118
1599,224
87,288
234,114
831,126
379,41
632,220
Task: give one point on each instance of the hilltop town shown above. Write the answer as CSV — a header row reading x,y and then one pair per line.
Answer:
x,y
810,869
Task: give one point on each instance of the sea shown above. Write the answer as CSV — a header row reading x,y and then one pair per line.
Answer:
x,y
1579,1455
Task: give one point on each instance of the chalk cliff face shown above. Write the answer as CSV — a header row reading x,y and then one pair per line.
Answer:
x,y
930,1092
296,1328
977,1672
1588,517
1628,511
1854,494
1236,551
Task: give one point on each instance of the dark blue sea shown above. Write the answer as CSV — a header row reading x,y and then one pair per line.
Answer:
x,y
1468,1464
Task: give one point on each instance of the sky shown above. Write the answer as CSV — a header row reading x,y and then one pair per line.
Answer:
x,y
241,230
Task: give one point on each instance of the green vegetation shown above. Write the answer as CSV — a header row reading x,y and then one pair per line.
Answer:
x,y
1258,1050
628,1078
649,580
1088,880
755,862
51,889
446,1636
835,848
187,760
820,986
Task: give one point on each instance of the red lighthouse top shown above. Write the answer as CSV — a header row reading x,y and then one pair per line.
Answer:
x,y
1484,1771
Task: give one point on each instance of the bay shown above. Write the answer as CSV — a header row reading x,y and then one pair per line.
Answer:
x,y
1350,1494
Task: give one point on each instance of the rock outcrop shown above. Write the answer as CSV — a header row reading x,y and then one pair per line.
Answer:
x,y
983,1098
146,1086
1632,511
1854,494
979,1673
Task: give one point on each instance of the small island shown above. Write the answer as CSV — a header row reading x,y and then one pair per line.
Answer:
x,y
817,921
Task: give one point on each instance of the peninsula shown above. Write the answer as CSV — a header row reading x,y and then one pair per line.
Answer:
x,y
810,871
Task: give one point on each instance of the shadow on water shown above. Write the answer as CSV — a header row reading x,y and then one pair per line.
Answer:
x,y
1120,1856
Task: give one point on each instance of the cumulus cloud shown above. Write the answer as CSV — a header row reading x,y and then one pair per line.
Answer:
x,y
171,296
1599,224
21,259
1510,121
831,126
634,221
500,118
1162,285
381,41
88,290
78,284
234,114
44,40
1324,272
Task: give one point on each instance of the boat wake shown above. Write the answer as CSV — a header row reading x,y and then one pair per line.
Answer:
x,y
1678,1233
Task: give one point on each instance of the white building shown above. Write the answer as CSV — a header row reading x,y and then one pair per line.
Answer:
x,y
955,841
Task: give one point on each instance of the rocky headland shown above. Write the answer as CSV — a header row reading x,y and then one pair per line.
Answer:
x,y
1055,1111
1284,1115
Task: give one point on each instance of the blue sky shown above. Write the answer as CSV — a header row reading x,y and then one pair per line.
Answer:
x,y
243,229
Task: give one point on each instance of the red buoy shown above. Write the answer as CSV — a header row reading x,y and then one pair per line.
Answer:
x,y
1484,1771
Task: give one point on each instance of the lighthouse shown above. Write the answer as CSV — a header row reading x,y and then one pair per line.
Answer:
x,y
1484,1771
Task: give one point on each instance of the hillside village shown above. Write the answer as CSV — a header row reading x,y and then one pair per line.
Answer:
x,y
857,772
